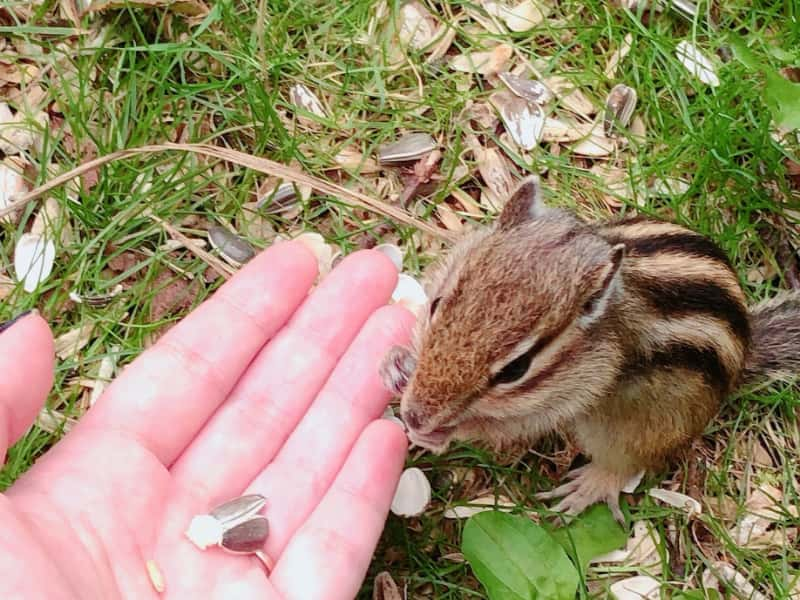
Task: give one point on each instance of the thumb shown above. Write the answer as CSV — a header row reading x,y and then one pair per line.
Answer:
x,y
26,374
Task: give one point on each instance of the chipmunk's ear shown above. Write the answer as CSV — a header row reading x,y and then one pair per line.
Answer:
x,y
608,282
524,205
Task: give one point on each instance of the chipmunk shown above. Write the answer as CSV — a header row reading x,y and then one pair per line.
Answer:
x,y
628,332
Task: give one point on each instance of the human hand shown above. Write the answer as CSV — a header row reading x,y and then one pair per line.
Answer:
x,y
207,414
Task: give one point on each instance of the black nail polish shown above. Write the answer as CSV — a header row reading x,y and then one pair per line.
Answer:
x,y
10,322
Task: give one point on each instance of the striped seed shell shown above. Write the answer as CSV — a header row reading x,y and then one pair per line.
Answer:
x,y
531,90
246,537
620,104
409,147
231,247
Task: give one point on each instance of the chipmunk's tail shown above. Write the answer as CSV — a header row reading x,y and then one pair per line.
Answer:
x,y
775,349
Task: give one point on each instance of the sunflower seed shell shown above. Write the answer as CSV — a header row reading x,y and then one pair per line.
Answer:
x,y
620,104
230,246
531,90
412,146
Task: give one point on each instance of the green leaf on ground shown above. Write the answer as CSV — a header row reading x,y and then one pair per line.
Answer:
x,y
591,534
515,559
781,95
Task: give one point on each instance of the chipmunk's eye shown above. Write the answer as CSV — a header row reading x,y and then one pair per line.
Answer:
x,y
520,365
435,304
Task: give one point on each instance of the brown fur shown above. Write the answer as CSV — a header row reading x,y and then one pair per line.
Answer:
x,y
636,353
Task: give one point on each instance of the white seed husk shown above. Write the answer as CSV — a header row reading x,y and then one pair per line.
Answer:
x,y
413,493
34,256
523,16
479,505
727,574
409,293
488,62
631,485
156,576
304,98
205,531
11,185
411,146
686,503
641,587
418,27
697,63
279,199
523,120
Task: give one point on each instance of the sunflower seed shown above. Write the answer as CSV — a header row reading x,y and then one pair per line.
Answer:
x,y
523,121
231,247
412,146
620,104
697,63
279,199
234,526
246,537
532,90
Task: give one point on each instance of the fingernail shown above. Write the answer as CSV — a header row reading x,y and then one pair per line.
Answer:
x,y
10,322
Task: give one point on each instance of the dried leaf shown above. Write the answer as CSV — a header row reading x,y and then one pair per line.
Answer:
x,y
413,494
697,63
20,132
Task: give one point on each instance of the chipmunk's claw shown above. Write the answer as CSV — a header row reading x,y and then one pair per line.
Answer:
x,y
590,484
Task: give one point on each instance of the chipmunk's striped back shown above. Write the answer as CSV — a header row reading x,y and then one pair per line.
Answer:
x,y
682,304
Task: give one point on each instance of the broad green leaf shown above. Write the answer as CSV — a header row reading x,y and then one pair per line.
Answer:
x,y
783,98
591,534
515,559
781,95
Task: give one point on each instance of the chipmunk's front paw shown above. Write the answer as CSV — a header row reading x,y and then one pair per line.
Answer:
x,y
396,369
590,484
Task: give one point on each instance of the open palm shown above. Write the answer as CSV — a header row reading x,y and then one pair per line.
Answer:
x,y
263,389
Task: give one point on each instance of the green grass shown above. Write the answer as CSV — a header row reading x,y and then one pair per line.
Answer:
x,y
150,77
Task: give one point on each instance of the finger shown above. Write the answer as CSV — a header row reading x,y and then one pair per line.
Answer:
x,y
353,397
283,380
329,555
166,395
26,359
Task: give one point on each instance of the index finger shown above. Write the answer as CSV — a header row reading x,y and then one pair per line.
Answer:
x,y
165,396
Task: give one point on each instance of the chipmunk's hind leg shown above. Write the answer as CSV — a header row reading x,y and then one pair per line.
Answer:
x,y
589,485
